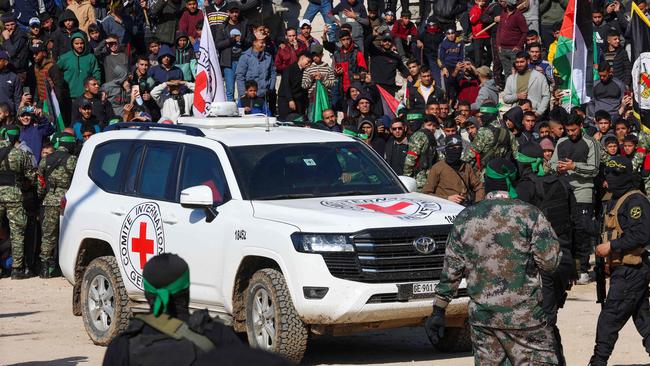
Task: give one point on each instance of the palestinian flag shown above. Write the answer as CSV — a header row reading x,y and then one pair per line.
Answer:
x,y
640,30
388,102
574,53
321,102
52,110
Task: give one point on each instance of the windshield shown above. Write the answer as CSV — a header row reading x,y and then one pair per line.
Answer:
x,y
270,172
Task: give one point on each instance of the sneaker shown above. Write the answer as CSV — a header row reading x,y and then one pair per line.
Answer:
x,y
584,279
46,272
18,274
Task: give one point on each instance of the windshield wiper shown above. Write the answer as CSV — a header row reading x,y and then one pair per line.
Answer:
x,y
352,193
285,196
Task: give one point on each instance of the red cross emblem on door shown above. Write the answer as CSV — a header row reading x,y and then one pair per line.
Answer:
x,y
142,245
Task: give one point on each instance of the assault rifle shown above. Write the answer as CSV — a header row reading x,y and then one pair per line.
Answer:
x,y
599,269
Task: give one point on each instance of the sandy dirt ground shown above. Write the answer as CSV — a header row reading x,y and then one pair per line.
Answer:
x,y
37,328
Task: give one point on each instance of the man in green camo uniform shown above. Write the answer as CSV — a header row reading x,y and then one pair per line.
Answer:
x,y
492,140
500,245
55,174
15,169
639,163
421,154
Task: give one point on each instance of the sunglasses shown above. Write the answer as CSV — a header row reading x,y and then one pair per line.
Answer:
x,y
111,43
396,128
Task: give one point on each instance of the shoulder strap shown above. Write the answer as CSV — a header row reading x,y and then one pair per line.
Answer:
x,y
619,203
177,329
55,160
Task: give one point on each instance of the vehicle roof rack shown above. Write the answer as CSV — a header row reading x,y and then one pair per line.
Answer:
x,y
147,126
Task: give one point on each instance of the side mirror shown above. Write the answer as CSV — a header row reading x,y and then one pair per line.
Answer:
x,y
409,182
199,197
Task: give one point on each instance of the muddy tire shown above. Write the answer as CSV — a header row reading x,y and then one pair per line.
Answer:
x,y
272,323
104,302
455,340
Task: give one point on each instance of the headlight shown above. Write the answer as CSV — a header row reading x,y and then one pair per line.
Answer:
x,y
316,243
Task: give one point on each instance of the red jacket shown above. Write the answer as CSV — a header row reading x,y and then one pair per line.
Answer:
x,y
475,20
400,31
288,55
188,23
351,61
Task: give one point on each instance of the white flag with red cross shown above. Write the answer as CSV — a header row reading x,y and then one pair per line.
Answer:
x,y
208,86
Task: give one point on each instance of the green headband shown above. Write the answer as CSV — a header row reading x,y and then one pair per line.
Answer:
x,y
67,138
507,175
488,109
536,163
414,116
163,294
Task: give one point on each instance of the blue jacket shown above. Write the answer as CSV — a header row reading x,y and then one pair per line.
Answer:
x,y
257,105
79,124
160,74
10,89
26,9
450,53
256,66
34,134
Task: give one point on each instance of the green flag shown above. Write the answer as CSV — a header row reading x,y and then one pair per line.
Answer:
x,y
321,103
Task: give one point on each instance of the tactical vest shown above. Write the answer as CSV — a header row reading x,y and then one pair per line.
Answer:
x,y
174,344
501,138
428,157
612,230
7,176
52,162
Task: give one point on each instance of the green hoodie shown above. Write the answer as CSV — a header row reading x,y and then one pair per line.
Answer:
x,y
77,67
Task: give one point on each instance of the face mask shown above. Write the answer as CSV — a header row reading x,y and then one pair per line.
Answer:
x,y
452,157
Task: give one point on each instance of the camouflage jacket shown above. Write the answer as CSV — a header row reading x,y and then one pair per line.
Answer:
x,y
59,178
499,245
419,146
484,142
19,163
639,156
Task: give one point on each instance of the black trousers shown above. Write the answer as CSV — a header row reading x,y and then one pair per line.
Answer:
x,y
482,51
554,294
627,297
284,110
582,216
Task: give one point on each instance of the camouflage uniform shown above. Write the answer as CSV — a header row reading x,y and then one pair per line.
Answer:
x,y
17,163
56,169
639,157
485,147
499,245
420,157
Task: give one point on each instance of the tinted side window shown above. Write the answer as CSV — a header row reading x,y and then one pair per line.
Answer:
x,y
202,167
132,171
158,174
107,164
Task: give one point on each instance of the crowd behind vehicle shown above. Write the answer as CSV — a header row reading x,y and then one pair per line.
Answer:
x,y
439,98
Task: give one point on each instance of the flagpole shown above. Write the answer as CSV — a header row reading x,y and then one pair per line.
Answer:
x,y
573,55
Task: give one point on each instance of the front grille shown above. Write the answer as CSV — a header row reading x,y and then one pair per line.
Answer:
x,y
392,297
388,255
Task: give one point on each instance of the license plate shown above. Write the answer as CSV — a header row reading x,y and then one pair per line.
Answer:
x,y
423,288
420,290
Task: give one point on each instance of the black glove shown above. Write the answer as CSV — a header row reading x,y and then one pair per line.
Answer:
x,y
435,325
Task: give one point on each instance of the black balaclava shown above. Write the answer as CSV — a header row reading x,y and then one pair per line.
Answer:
x,y
166,279
453,151
500,175
619,176
68,142
530,159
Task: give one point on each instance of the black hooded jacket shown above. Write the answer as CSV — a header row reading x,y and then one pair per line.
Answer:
x,y
61,36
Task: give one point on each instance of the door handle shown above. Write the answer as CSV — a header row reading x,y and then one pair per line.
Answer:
x,y
171,220
119,212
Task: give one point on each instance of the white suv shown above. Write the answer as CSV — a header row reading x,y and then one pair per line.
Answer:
x,y
287,231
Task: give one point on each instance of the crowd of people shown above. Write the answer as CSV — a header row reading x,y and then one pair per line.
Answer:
x,y
474,81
